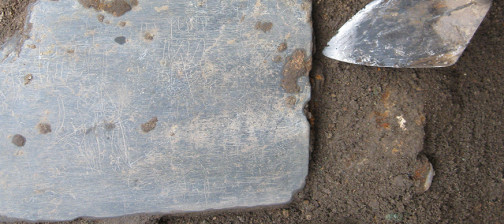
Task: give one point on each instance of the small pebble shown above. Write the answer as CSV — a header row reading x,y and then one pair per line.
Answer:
x,y
148,36
18,140
396,217
120,40
423,175
149,125
285,213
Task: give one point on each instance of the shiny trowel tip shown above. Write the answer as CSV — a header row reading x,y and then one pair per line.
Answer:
x,y
408,33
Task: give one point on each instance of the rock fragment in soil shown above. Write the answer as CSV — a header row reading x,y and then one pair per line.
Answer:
x,y
424,172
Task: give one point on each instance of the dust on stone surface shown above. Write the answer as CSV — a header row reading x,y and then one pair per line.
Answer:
x,y
149,125
44,128
148,36
277,58
100,18
89,130
18,140
27,79
109,126
296,66
113,7
291,101
282,47
264,26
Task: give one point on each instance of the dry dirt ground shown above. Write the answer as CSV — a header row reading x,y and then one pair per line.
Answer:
x,y
362,161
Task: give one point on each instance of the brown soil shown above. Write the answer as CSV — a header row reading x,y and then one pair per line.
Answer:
x,y
295,67
44,128
363,163
12,17
263,26
114,7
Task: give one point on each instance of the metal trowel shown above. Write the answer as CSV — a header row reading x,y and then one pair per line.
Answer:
x,y
408,33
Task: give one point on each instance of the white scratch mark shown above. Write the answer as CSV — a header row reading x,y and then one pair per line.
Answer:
x,y
402,122
61,113
142,57
125,149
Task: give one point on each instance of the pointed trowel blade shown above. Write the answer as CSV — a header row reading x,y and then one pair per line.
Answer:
x,y
408,33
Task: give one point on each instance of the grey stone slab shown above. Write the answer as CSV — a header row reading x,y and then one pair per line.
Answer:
x,y
169,106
